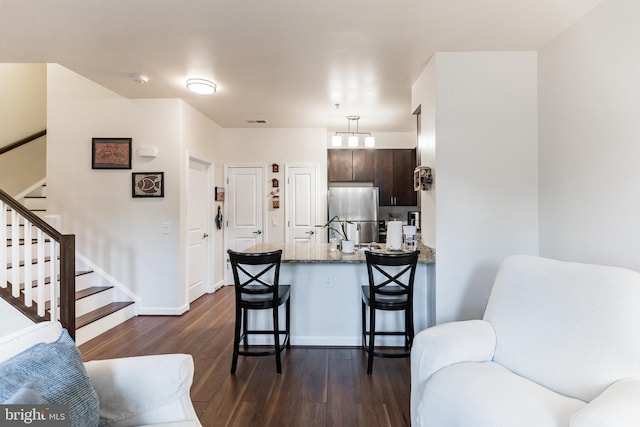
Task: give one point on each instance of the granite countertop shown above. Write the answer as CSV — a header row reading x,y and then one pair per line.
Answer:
x,y
320,253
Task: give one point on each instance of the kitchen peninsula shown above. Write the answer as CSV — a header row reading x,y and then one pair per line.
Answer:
x,y
325,294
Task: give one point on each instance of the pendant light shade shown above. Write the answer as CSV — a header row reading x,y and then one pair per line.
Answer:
x,y
353,140
369,142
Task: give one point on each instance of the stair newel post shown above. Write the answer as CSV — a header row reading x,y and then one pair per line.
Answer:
x,y
68,283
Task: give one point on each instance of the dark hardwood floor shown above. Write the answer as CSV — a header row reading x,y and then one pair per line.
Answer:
x,y
319,386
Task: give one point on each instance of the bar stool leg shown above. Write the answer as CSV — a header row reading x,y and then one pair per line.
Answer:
x,y
236,340
372,337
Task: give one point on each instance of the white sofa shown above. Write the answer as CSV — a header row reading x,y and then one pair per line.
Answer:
x,y
559,345
134,391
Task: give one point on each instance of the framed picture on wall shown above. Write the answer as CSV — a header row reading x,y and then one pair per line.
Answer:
x,y
147,184
219,194
111,153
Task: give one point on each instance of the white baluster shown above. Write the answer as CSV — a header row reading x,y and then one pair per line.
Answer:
x,y
53,284
40,254
15,254
3,245
28,285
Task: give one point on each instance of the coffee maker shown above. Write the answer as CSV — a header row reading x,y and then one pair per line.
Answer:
x,y
414,219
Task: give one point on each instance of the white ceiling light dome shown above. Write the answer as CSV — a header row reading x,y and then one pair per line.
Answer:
x,y
201,86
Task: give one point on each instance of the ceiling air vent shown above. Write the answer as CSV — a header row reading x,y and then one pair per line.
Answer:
x,y
260,122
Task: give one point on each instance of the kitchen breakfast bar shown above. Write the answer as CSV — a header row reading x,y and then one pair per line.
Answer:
x,y
325,295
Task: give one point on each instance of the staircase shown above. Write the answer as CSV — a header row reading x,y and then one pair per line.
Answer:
x,y
100,303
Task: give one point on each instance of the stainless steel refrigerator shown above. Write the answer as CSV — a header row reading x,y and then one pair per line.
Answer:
x,y
358,205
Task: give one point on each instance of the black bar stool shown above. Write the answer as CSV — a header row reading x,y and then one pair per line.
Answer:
x,y
391,277
256,278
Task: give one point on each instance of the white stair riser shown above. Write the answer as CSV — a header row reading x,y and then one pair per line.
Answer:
x,y
100,326
21,231
38,213
34,293
93,302
33,269
21,251
38,192
90,303
38,203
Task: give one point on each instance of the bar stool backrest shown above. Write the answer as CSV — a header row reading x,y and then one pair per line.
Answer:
x,y
256,273
391,274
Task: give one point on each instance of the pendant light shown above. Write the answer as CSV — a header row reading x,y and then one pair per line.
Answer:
x,y
353,140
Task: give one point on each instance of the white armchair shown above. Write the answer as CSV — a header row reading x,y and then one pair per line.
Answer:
x,y
558,346
133,391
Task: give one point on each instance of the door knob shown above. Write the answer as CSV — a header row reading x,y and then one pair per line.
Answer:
x,y
310,232
205,235
257,232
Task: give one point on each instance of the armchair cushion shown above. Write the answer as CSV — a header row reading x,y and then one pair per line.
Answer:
x,y
495,397
144,390
56,371
616,406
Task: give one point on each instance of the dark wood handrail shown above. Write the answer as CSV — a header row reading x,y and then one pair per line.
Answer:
x,y
23,141
33,218
67,261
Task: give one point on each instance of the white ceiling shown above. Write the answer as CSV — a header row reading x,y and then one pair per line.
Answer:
x,y
285,61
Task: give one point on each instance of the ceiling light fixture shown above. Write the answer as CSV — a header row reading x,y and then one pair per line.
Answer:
x,y
201,86
352,141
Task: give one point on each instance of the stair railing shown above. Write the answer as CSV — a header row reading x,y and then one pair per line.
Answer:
x,y
23,141
28,239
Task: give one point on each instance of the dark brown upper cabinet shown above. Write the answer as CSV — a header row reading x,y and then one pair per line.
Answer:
x,y
394,176
346,165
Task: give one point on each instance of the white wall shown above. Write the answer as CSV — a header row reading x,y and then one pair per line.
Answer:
x,y
590,139
12,319
423,95
486,170
23,98
281,146
201,138
121,234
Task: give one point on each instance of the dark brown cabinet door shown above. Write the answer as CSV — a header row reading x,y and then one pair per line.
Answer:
x,y
384,176
394,177
340,165
364,165
347,165
404,162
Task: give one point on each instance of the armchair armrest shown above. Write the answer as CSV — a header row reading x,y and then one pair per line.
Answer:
x,y
144,390
444,345
616,406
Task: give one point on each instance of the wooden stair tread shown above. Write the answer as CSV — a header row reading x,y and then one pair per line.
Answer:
x,y
101,312
83,293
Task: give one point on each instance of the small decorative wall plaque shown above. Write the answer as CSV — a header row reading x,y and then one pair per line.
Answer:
x,y
147,184
219,194
275,168
275,183
275,202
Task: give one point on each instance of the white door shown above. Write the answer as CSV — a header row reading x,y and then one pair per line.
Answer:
x,y
301,197
198,225
245,204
